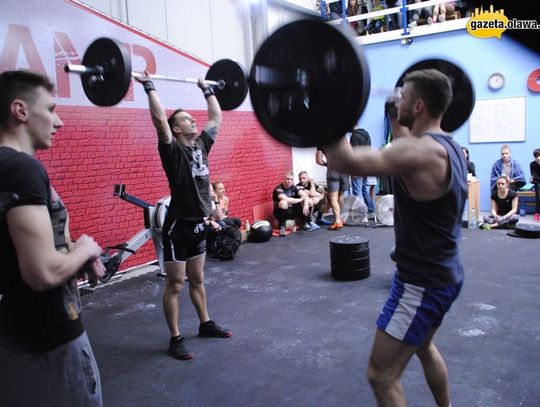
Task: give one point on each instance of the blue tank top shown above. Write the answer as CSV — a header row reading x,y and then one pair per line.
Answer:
x,y
427,232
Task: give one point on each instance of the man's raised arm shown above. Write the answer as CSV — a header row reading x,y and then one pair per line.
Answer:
x,y
214,109
157,112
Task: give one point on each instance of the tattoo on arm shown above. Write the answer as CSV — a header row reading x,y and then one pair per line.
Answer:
x,y
212,131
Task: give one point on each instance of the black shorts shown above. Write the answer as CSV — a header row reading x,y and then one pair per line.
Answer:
x,y
184,240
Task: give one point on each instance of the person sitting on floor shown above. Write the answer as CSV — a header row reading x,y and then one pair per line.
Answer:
x,y
504,206
535,176
223,201
316,194
290,203
509,168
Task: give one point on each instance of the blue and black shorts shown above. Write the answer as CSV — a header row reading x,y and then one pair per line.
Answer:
x,y
412,311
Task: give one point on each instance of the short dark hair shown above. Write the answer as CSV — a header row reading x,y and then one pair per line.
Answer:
x,y
20,84
170,120
433,87
536,152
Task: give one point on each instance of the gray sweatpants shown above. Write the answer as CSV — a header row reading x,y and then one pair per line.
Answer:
x,y
65,376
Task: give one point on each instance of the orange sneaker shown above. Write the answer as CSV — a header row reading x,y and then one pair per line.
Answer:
x,y
335,226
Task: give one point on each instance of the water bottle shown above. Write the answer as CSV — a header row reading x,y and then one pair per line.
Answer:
x,y
247,226
472,221
522,210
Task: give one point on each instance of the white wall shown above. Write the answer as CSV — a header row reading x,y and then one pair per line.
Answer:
x,y
208,29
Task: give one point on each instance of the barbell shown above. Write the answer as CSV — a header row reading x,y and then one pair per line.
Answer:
x,y
309,82
106,75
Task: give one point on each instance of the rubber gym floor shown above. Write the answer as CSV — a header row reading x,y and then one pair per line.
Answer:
x,y
302,339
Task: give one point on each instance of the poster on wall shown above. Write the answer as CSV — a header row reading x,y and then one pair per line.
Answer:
x,y
498,120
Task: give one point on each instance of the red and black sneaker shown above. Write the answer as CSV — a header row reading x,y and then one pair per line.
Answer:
x,y
210,329
178,350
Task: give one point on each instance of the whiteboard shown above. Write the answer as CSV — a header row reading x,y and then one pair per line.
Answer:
x,y
498,120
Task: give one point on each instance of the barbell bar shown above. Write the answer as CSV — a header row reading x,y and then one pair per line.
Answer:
x,y
106,75
304,95
98,71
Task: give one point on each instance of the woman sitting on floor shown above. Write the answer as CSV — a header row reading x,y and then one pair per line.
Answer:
x,y
504,206
223,201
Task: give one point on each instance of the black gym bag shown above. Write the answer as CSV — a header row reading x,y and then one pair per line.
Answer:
x,y
224,244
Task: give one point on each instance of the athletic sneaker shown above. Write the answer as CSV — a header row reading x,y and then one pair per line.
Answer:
x,y
323,221
313,226
306,226
178,350
282,231
210,329
336,226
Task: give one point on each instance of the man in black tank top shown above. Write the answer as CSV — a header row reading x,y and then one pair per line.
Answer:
x,y
430,188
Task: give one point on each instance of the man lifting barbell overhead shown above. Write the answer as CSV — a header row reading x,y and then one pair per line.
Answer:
x,y
430,189
184,156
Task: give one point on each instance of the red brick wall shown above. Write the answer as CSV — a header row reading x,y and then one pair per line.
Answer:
x,y
100,147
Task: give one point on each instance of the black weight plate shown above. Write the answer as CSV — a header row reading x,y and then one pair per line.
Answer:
x,y
463,99
112,56
235,77
528,230
309,83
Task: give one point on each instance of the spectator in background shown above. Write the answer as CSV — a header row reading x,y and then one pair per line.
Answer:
x,y
337,183
470,165
316,196
376,24
336,10
509,168
440,12
395,21
425,12
371,183
360,187
290,203
223,202
504,206
326,13
535,176
353,9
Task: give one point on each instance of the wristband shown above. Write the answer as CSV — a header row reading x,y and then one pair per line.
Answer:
x,y
148,86
207,92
